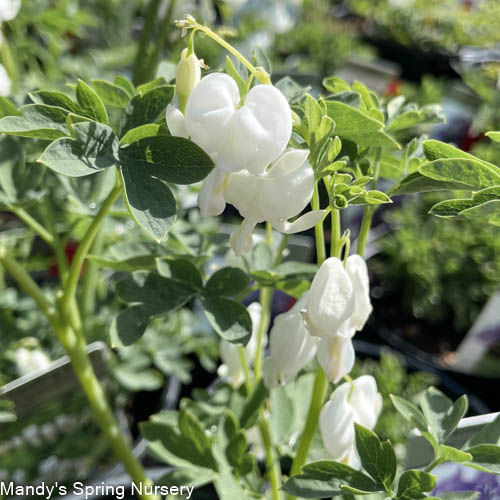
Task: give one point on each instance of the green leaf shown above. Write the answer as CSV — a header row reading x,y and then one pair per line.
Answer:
x,y
129,326
418,183
7,108
125,84
494,136
58,99
485,457
146,108
110,93
450,454
410,412
413,117
378,459
335,84
354,125
150,201
437,150
156,294
228,318
413,483
252,406
326,478
171,159
38,121
136,134
139,380
313,113
261,59
153,84
192,430
262,257
451,208
94,148
235,75
441,414
180,269
227,281
192,476
472,173
489,211
459,495
489,434
91,103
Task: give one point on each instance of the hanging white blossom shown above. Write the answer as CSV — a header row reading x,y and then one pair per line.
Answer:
x,y
336,356
5,84
9,9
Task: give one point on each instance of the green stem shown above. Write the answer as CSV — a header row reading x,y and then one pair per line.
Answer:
x,y
366,223
34,224
83,249
266,294
433,464
76,351
318,230
245,367
272,461
335,239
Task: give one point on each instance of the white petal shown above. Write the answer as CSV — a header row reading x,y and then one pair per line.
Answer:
x,y
231,369
336,357
9,9
176,122
288,162
365,401
331,299
358,272
5,83
255,311
303,223
241,240
242,191
211,200
210,108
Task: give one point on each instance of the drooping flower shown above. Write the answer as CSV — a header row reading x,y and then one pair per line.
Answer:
x,y
5,84
339,302
352,402
291,347
9,9
276,195
336,357
187,76
231,368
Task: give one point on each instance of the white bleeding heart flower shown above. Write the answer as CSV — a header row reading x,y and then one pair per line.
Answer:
x,y
276,195
291,347
331,299
29,360
5,84
339,302
238,136
357,402
358,272
176,122
231,368
9,9
336,357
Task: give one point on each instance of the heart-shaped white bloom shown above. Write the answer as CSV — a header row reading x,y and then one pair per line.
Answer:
x,y
359,402
281,192
291,347
339,302
9,9
336,357
231,367
250,136
5,84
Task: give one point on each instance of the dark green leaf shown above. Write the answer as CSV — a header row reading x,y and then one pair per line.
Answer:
x,y
129,326
94,148
146,108
180,269
91,103
171,159
485,457
489,434
410,412
413,483
229,319
227,281
253,404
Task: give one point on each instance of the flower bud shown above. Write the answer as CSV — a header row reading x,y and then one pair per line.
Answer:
x,y
5,83
231,367
291,347
331,299
187,76
358,272
352,402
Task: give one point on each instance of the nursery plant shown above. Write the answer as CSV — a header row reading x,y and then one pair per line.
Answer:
x,y
291,422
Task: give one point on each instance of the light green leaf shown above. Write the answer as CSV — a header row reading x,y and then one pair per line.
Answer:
x,y
410,412
228,318
418,183
485,457
125,84
153,84
110,93
489,434
235,75
38,121
472,173
494,136
94,148
451,208
7,108
91,103
171,159
136,134
51,98
192,476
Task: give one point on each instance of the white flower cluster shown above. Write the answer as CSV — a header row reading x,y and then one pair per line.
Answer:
x,y
247,141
